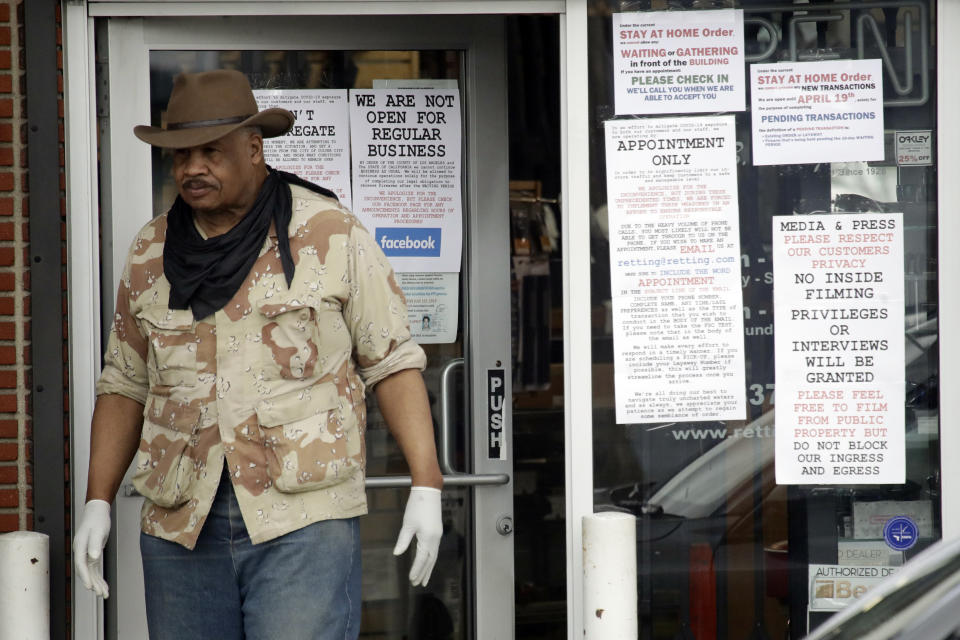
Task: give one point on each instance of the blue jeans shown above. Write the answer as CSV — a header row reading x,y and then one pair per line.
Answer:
x,y
304,585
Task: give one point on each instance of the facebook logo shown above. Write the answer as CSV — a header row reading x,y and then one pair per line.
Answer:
x,y
409,241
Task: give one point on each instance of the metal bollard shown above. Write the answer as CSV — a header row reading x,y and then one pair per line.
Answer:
x,y
25,586
610,576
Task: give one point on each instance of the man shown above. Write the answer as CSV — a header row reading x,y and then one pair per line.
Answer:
x,y
249,320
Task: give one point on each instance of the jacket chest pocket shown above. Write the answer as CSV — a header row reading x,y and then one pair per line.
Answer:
x,y
172,358
307,443
290,340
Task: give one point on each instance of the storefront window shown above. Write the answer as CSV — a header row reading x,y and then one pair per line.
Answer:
x,y
729,522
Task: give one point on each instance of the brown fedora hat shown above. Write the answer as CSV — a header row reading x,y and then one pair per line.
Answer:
x,y
208,105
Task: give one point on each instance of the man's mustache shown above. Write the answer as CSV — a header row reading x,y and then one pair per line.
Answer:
x,y
197,184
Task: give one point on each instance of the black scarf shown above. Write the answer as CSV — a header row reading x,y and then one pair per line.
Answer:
x,y
205,274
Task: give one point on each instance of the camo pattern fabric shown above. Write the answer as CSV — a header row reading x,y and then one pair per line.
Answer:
x,y
272,385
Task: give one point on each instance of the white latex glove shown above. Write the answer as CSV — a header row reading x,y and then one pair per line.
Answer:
x,y
88,545
421,518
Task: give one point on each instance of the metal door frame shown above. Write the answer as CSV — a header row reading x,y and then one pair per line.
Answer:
x,y
494,570
130,41
948,230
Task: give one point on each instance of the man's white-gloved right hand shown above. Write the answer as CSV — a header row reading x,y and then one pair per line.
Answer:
x,y
421,519
88,546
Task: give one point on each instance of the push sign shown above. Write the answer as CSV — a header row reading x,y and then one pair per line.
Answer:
x,y
496,395
914,148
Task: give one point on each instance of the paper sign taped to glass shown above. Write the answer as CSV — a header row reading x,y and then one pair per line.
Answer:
x,y
675,269
406,160
317,148
832,587
433,301
839,348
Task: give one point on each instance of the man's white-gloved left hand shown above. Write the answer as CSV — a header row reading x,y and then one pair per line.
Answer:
x,y
88,546
422,519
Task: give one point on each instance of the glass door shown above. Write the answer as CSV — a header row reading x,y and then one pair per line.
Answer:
x,y
464,325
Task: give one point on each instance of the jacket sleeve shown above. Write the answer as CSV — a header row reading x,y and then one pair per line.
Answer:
x,y
376,313
125,359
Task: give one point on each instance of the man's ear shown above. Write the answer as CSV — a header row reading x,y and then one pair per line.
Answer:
x,y
255,147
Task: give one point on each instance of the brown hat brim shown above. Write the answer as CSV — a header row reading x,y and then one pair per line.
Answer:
x,y
273,122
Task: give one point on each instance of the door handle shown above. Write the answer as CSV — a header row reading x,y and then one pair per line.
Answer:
x,y
451,477
445,437
453,480
398,482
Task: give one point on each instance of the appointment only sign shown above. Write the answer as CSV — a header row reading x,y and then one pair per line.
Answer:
x,y
839,343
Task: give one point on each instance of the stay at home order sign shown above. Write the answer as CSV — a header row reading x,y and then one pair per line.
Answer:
x,y
824,111
839,348
678,61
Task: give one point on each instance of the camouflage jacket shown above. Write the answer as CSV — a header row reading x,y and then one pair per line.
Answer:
x,y
273,384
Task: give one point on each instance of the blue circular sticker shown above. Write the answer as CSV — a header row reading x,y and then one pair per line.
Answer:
x,y
900,533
